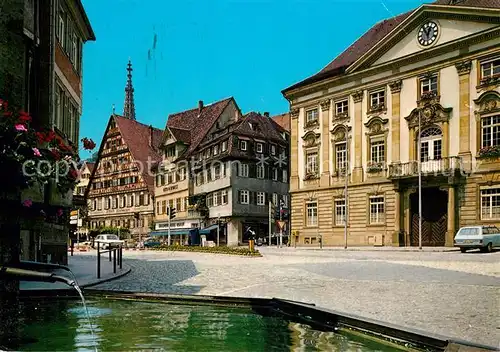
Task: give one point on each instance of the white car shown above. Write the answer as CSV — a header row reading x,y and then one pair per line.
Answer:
x,y
105,241
472,237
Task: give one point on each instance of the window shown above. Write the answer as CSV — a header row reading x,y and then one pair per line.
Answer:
x,y
61,27
429,85
377,212
490,131
258,147
224,197
216,149
377,151
158,208
340,156
260,171
490,204
377,99
285,176
340,212
342,107
490,68
132,196
311,116
273,149
243,145
178,204
115,202
311,213
224,146
216,172
261,198
244,170
312,163
285,200
124,202
275,199
216,199
244,197
275,174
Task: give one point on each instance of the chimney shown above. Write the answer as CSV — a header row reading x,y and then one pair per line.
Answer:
x,y
151,136
200,106
266,114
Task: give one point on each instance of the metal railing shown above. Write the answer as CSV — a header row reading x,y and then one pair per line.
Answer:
x,y
116,252
431,167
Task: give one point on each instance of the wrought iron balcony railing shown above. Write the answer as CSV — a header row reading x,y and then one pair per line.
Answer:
x,y
436,167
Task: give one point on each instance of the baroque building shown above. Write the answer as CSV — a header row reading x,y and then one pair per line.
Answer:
x,y
430,75
230,166
121,186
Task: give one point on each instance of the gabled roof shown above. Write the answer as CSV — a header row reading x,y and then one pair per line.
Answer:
x,y
283,120
375,34
262,127
90,166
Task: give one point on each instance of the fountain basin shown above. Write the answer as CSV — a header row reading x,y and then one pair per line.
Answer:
x,y
146,321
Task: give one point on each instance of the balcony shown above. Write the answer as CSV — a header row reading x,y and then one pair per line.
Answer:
x,y
440,167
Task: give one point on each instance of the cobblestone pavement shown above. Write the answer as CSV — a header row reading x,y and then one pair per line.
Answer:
x,y
447,293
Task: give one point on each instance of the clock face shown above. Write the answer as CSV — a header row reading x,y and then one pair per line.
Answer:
x,y
428,33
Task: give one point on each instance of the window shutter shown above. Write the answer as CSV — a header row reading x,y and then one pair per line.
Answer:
x,y
239,197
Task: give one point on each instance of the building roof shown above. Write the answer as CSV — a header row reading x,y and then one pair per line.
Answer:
x,y
374,35
283,120
137,137
90,166
192,125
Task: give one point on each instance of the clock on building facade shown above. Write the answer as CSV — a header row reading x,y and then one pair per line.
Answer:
x,y
428,33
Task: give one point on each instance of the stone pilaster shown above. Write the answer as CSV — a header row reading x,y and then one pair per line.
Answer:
x,y
294,150
358,135
463,70
395,120
450,233
325,144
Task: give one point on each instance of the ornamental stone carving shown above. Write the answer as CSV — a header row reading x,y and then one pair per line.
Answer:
x,y
325,105
376,126
357,96
430,111
464,67
311,139
396,86
294,113
488,102
339,133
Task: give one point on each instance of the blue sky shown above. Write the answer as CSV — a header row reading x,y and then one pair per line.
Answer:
x,y
209,50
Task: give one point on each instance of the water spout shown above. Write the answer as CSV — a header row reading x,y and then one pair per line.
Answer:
x,y
31,275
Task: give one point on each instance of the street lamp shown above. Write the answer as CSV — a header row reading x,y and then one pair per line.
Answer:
x,y
346,176
218,227
419,160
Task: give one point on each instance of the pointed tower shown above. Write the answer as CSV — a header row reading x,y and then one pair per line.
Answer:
x,y
129,107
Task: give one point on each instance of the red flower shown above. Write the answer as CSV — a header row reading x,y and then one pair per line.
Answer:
x,y
55,153
24,117
41,137
88,144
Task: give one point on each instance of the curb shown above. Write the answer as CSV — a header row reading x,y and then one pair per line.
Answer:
x,y
101,281
339,249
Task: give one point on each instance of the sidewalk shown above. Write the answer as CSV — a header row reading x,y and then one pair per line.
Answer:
x,y
84,267
363,249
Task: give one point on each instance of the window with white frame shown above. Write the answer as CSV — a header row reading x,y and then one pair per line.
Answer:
x,y
260,171
61,30
217,171
311,213
377,99
216,149
311,115
285,200
490,68
429,84
273,149
377,151
275,199
216,198
224,197
258,147
224,146
244,197
312,163
342,107
340,156
490,131
243,145
377,210
261,198
244,170
285,176
275,174
490,203
339,212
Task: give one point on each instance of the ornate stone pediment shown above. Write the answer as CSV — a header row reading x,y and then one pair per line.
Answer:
x,y
311,139
376,125
431,112
488,102
294,113
339,133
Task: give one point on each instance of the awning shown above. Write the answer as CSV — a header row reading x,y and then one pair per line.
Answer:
x,y
206,230
173,232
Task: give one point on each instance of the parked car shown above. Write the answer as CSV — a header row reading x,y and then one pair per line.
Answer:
x,y
472,237
151,242
105,241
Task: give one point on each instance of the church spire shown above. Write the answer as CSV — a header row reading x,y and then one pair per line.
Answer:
x,y
129,107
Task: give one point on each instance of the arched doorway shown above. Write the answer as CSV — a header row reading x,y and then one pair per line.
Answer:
x,y
431,150
434,217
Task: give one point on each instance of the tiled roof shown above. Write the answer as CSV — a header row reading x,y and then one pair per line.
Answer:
x,y
265,128
374,35
192,125
283,120
90,166
137,137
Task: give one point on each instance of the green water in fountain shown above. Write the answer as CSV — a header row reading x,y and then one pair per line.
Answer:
x,y
121,325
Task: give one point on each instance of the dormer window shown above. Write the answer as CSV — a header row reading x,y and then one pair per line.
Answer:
x,y
243,145
259,148
216,149
224,146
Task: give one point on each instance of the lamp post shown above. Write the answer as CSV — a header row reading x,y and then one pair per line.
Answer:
x,y
218,226
346,184
419,181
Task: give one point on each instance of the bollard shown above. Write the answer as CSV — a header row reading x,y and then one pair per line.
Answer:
x,y
72,247
251,245
114,261
98,262
121,256
109,251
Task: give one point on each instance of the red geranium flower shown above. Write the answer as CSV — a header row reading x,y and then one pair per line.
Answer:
x,y
55,153
88,144
24,117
